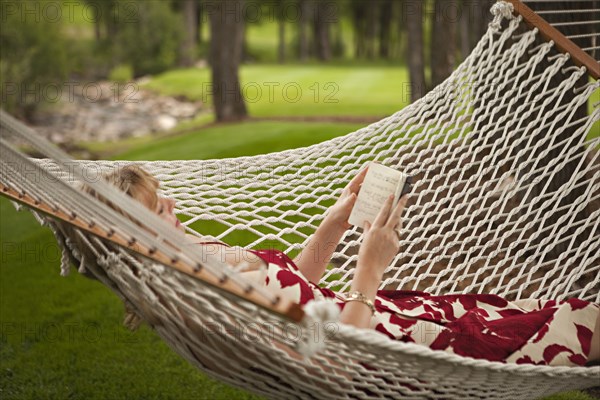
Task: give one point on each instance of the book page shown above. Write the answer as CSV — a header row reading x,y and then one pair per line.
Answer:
x,y
379,183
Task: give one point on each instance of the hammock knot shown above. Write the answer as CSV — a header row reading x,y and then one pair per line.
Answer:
x,y
108,260
321,316
145,274
65,267
132,319
82,269
17,206
65,247
157,269
501,10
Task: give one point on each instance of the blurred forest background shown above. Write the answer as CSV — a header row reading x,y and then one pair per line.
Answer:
x,y
352,61
51,42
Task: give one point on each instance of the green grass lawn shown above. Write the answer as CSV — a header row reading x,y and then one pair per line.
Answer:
x,y
249,138
302,90
370,91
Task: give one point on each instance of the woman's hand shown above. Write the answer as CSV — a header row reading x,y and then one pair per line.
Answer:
x,y
379,246
381,240
312,260
340,211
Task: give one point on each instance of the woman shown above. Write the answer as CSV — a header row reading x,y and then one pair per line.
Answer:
x,y
542,332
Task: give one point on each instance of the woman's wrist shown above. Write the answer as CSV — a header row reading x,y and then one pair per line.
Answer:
x,y
366,280
335,226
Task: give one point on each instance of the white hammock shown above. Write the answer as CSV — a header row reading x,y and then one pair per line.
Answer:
x,y
487,217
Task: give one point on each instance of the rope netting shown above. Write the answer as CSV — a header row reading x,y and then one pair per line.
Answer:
x,y
477,220
506,178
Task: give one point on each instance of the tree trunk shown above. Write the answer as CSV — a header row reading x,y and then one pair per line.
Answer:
x,y
399,50
281,22
479,17
97,23
483,17
358,12
413,15
305,11
199,21
104,15
189,12
465,28
97,31
372,28
111,18
226,40
338,45
442,42
385,25
321,29
246,56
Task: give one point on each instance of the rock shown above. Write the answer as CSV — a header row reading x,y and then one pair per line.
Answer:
x,y
106,111
164,122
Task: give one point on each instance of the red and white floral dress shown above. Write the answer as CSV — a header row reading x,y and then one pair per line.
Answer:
x,y
542,332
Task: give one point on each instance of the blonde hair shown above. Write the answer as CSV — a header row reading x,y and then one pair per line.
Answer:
x,y
134,181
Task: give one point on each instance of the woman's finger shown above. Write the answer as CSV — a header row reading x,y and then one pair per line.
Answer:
x,y
351,199
358,179
397,212
384,213
366,226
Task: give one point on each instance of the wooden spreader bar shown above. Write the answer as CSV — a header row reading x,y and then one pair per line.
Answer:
x,y
564,44
285,308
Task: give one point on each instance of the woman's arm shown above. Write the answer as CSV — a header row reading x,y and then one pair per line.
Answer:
x,y
366,280
313,259
379,246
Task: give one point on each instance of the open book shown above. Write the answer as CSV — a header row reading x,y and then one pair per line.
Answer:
x,y
380,181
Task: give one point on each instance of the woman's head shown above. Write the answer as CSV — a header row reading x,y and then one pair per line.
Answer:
x,y
142,186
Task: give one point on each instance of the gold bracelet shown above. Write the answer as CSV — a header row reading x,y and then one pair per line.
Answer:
x,y
355,295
